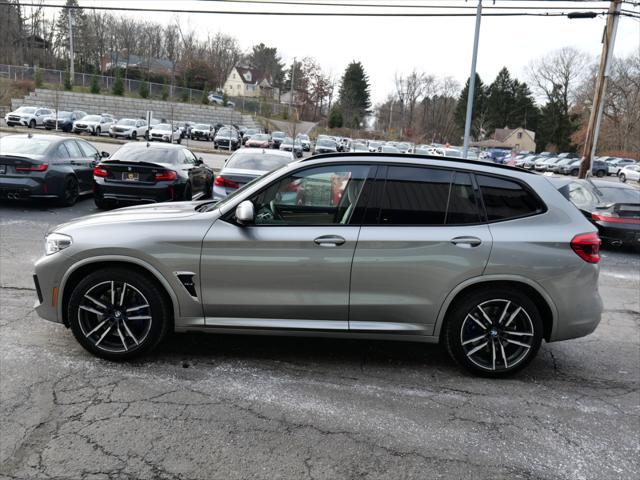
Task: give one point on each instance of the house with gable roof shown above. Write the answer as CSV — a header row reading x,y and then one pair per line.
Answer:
x,y
245,81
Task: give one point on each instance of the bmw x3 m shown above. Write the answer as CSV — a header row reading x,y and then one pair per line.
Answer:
x,y
485,259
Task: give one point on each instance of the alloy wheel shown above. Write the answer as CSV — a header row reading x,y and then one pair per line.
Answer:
x,y
114,316
497,334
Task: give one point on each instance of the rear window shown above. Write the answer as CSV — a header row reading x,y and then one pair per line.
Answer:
x,y
619,195
148,154
261,161
507,199
23,145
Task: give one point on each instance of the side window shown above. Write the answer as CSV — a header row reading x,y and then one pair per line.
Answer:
x,y
463,205
507,199
317,196
189,158
88,150
415,196
62,152
580,197
73,149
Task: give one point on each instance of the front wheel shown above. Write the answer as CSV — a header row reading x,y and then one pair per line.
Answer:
x,y
98,131
118,314
134,135
623,178
32,124
600,173
493,332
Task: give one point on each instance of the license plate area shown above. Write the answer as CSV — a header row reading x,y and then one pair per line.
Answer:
x,y
130,176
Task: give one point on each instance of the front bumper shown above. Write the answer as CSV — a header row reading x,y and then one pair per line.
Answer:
x,y
47,278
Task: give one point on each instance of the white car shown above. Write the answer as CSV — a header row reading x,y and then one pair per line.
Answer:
x,y
616,165
216,99
630,172
129,128
31,117
93,124
164,132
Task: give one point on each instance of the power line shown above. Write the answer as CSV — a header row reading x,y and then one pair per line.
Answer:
x,y
295,14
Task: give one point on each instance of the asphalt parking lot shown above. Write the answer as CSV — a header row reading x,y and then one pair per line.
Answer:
x,y
238,407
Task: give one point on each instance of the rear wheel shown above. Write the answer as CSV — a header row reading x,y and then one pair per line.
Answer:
x,y
32,124
117,314
70,193
493,332
134,135
98,131
622,177
187,193
600,173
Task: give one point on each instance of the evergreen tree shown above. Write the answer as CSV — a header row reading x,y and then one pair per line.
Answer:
x,y
478,119
37,77
354,97
118,84
267,60
335,118
501,101
144,89
95,84
555,125
525,111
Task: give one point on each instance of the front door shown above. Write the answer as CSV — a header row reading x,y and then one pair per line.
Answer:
x,y
291,268
423,234
81,164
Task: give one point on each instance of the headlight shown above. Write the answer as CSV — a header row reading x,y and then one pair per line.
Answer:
x,y
54,242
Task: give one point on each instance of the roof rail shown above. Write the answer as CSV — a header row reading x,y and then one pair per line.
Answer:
x,y
413,155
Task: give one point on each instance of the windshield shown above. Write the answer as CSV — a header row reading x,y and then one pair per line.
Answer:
x,y
62,114
257,161
326,143
92,118
202,126
303,137
252,131
278,135
162,126
127,122
261,138
26,110
359,147
23,145
152,154
225,131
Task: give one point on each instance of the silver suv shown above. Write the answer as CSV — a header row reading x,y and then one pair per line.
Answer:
x,y
486,259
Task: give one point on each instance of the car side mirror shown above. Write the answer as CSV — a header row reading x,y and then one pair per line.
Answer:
x,y
245,213
199,161
104,154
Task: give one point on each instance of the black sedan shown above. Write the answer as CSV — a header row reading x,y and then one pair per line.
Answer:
x,y
149,173
612,207
324,145
46,167
64,120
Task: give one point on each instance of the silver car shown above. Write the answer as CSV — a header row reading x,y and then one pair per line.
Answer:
x,y
486,259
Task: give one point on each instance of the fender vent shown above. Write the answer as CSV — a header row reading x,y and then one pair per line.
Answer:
x,y
186,278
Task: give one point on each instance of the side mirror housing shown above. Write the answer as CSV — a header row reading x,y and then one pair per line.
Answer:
x,y
245,213
104,154
200,161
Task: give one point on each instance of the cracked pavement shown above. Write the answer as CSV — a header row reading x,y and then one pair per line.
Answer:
x,y
239,407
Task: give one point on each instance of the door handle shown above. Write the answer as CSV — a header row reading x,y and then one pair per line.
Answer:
x,y
466,242
329,241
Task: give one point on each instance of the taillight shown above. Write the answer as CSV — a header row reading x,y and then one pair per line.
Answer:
x,y
587,246
166,175
220,181
614,218
100,172
38,168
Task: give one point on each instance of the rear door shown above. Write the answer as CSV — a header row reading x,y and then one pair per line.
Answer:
x,y
196,172
81,164
423,235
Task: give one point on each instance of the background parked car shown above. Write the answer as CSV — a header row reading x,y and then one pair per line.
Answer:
x,y
325,145
289,145
260,140
359,147
277,138
164,132
149,173
227,138
305,141
249,133
617,164
129,128
201,131
245,165
46,167
614,208
63,120
630,172
31,117
599,168
93,124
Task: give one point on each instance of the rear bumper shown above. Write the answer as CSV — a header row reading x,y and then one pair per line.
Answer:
x,y
627,234
122,193
24,188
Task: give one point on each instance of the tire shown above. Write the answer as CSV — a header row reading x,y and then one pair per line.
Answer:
x,y
179,141
599,173
98,131
187,195
70,193
134,135
32,124
208,190
117,334
573,173
102,204
623,178
520,314
48,128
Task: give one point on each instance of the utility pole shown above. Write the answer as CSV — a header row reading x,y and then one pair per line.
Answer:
x,y
293,128
593,129
391,114
293,72
71,57
472,82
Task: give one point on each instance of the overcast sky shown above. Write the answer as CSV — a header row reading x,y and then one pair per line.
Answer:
x,y
440,46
